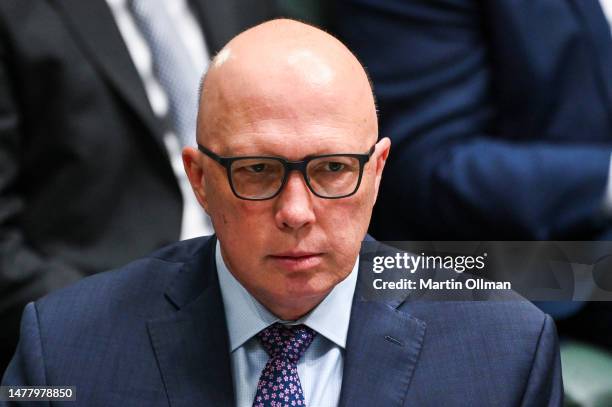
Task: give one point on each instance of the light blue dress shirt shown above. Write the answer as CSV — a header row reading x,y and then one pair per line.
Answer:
x,y
320,369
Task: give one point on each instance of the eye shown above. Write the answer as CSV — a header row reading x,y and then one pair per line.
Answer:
x,y
334,166
256,168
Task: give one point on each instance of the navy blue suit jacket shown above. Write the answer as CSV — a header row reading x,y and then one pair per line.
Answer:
x,y
154,334
500,115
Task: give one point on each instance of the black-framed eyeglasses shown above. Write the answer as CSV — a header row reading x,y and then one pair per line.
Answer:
x,y
257,178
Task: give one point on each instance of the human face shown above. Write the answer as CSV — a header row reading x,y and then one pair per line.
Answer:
x,y
290,101
290,251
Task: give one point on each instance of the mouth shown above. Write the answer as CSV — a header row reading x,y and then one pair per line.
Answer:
x,y
297,261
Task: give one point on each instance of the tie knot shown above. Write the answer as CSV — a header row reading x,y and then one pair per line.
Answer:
x,y
286,341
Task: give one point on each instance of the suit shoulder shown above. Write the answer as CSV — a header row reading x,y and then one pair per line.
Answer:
x,y
139,285
486,321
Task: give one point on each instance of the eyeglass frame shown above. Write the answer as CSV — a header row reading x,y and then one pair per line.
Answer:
x,y
289,166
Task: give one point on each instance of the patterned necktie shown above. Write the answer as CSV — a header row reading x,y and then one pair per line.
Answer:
x,y
172,65
279,384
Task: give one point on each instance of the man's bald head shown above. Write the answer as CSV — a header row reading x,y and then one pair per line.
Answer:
x,y
285,91
284,67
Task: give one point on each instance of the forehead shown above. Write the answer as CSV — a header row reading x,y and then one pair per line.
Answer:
x,y
290,126
291,136
292,102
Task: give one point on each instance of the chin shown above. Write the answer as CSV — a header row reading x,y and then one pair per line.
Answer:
x,y
306,286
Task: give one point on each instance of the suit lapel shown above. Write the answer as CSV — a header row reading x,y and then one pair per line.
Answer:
x,y
596,24
192,346
89,21
382,350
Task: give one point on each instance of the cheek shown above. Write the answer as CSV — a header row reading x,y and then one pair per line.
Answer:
x,y
350,216
238,221
369,187
345,225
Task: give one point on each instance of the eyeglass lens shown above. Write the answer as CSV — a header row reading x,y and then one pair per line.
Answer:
x,y
260,178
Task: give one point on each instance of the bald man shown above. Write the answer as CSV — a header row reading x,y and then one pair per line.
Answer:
x,y
268,311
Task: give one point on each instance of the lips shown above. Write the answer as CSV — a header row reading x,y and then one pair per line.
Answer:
x,y
296,254
297,260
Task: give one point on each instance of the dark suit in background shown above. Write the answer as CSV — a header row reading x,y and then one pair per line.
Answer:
x,y
500,115
85,179
154,333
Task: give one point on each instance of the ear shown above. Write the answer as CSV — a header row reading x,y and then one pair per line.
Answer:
x,y
380,155
192,162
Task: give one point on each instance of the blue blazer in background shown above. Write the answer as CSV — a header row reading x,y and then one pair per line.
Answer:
x,y
499,112
154,334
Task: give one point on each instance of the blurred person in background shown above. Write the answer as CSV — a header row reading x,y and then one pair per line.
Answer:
x,y
501,113
500,116
96,100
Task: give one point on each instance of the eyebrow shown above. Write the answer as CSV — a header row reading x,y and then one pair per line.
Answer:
x,y
274,155
269,153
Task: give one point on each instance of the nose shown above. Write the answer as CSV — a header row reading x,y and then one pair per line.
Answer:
x,y
293,207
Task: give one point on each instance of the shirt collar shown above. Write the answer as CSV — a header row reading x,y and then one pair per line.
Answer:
x,y
246,317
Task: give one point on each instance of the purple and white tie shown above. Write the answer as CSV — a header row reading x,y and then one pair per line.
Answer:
x,y
279,384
